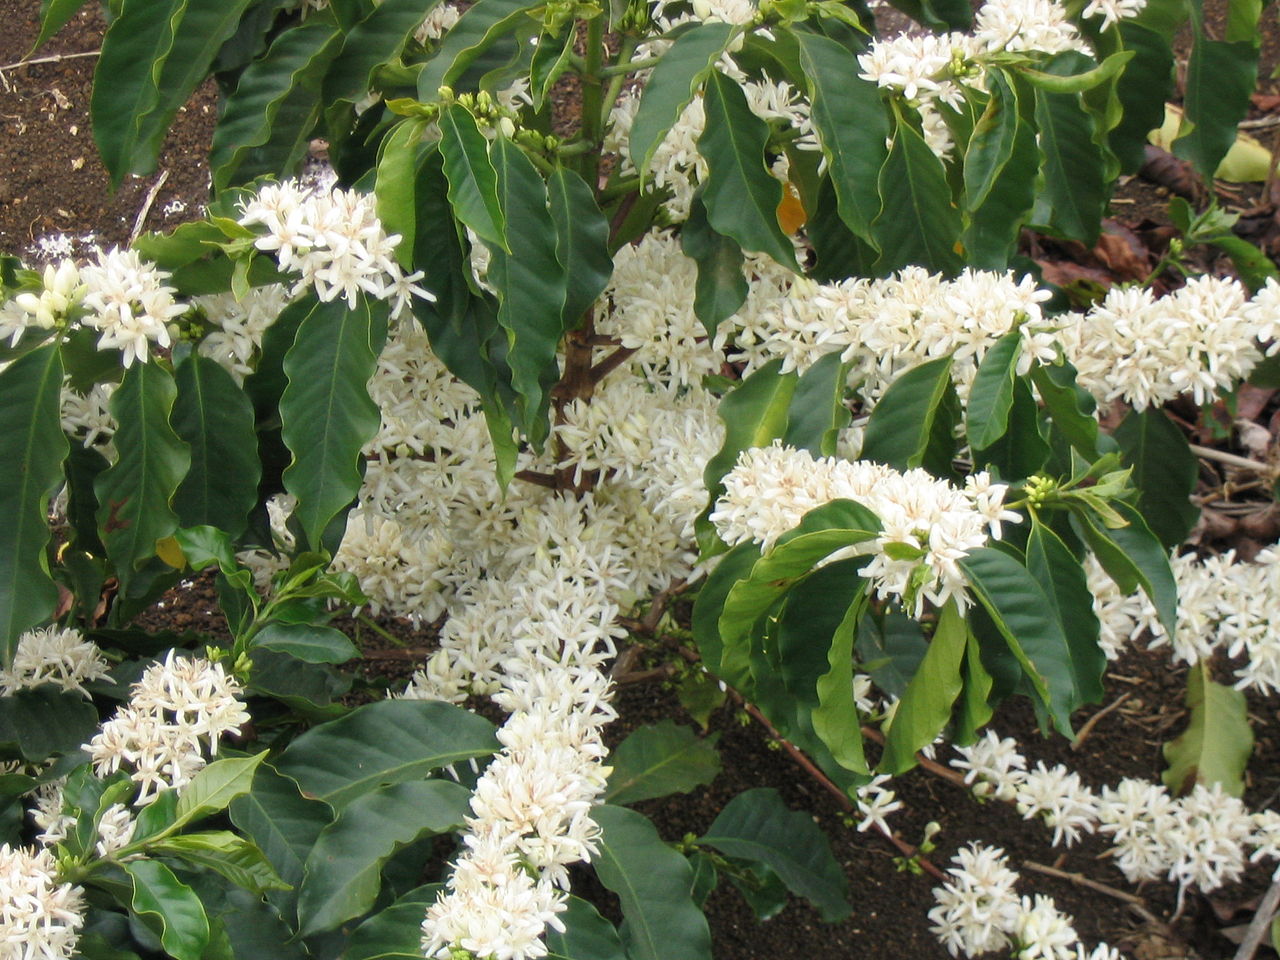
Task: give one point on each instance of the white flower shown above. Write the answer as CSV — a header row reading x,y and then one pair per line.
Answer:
x,y
62,657
1058,797
129,303
1043,932
993,764
40,918
1112,11
115,830
875,802
978,908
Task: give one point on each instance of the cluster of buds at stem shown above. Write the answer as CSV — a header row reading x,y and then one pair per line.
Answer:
x,y
1038,490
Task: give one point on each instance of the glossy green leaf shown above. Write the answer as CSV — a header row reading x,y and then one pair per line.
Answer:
x,y
653,883
284,824
818,412
389,741
550,60
54,15
660,759
1220,78
740,193
184,928
1165,472
1026,618
1001,169
925,707
1023,450
135,494
913,423
721,287
396,180
30,472
225,853
757,826
395,932
214,417
326,414
1070,407
530,284
342,877
1079,81
672,86
308,642
480,26
852,126
378,38
1215,746
46,720
1065,584
586,936
1134,557
582,243
992,142
473,183
991,396
918,224
973,711
1144,87
835,720
1073,193
733,566
266,123
213,788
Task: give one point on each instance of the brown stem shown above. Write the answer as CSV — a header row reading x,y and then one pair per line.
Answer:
x,y
1261,922
1136,903
932,766
611,363
538,478
1093,721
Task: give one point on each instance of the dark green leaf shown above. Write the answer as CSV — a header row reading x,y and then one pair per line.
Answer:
x,y
44,721
1065,584
394,933
1070,407
587,935
1001,168
734,566
1023,449
473,183
582,243
54,15
550,60
1220,78
918,224
818,412
378,38
721,287
659,759
215,418
30,472
342,876
757,826
1145,85
1073,193
396,180
1165,472
1133,557
184,929
325,412
390,741
306,641
991,397
479,28
740,193
912,425
835,720
654,884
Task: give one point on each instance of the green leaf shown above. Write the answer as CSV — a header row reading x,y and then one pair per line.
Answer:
x,y
672,85
917,224
530,284
654,884
483,23
1143,88
473,183
1165,472
1058,570
213,788
817,411
390,741
659,759
550,60
1220,78
926,705
586,936
343,871
135,494
30,472
157,892
974,709
835,720
378,38
1081,81
991,145
582,243
54,15
394,933
1133,557
41,722
740,193
309,642
284,824
757,826
991,397
266,123
214,417
1027,619
225,853
397,178
1070,407
1023,450
733,566
1073,193
326,414
1216,744
721,287
852,126
1001,168
913,423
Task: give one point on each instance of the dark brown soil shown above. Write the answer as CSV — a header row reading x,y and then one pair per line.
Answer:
x,y
51,182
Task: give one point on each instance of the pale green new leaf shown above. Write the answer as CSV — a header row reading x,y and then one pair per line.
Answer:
x,y
30,471
213,788
226,853
1216,744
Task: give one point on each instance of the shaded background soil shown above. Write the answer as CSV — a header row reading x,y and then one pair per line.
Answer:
x,y
52,185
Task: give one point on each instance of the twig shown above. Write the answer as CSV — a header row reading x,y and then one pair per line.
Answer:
x,y
52,58
932,766
408,653
146,205
796,754
1093,721
1231,459
1136,903
610,363
1261,921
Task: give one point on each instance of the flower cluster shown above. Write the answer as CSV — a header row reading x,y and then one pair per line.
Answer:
x,y
62,657
40,918
927,524
334,241
159,732
238,325
1200,840
44,310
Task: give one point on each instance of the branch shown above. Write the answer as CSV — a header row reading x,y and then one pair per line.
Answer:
x,y
1136,903
1261,921
611,363
52,58
932,766
1231,459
